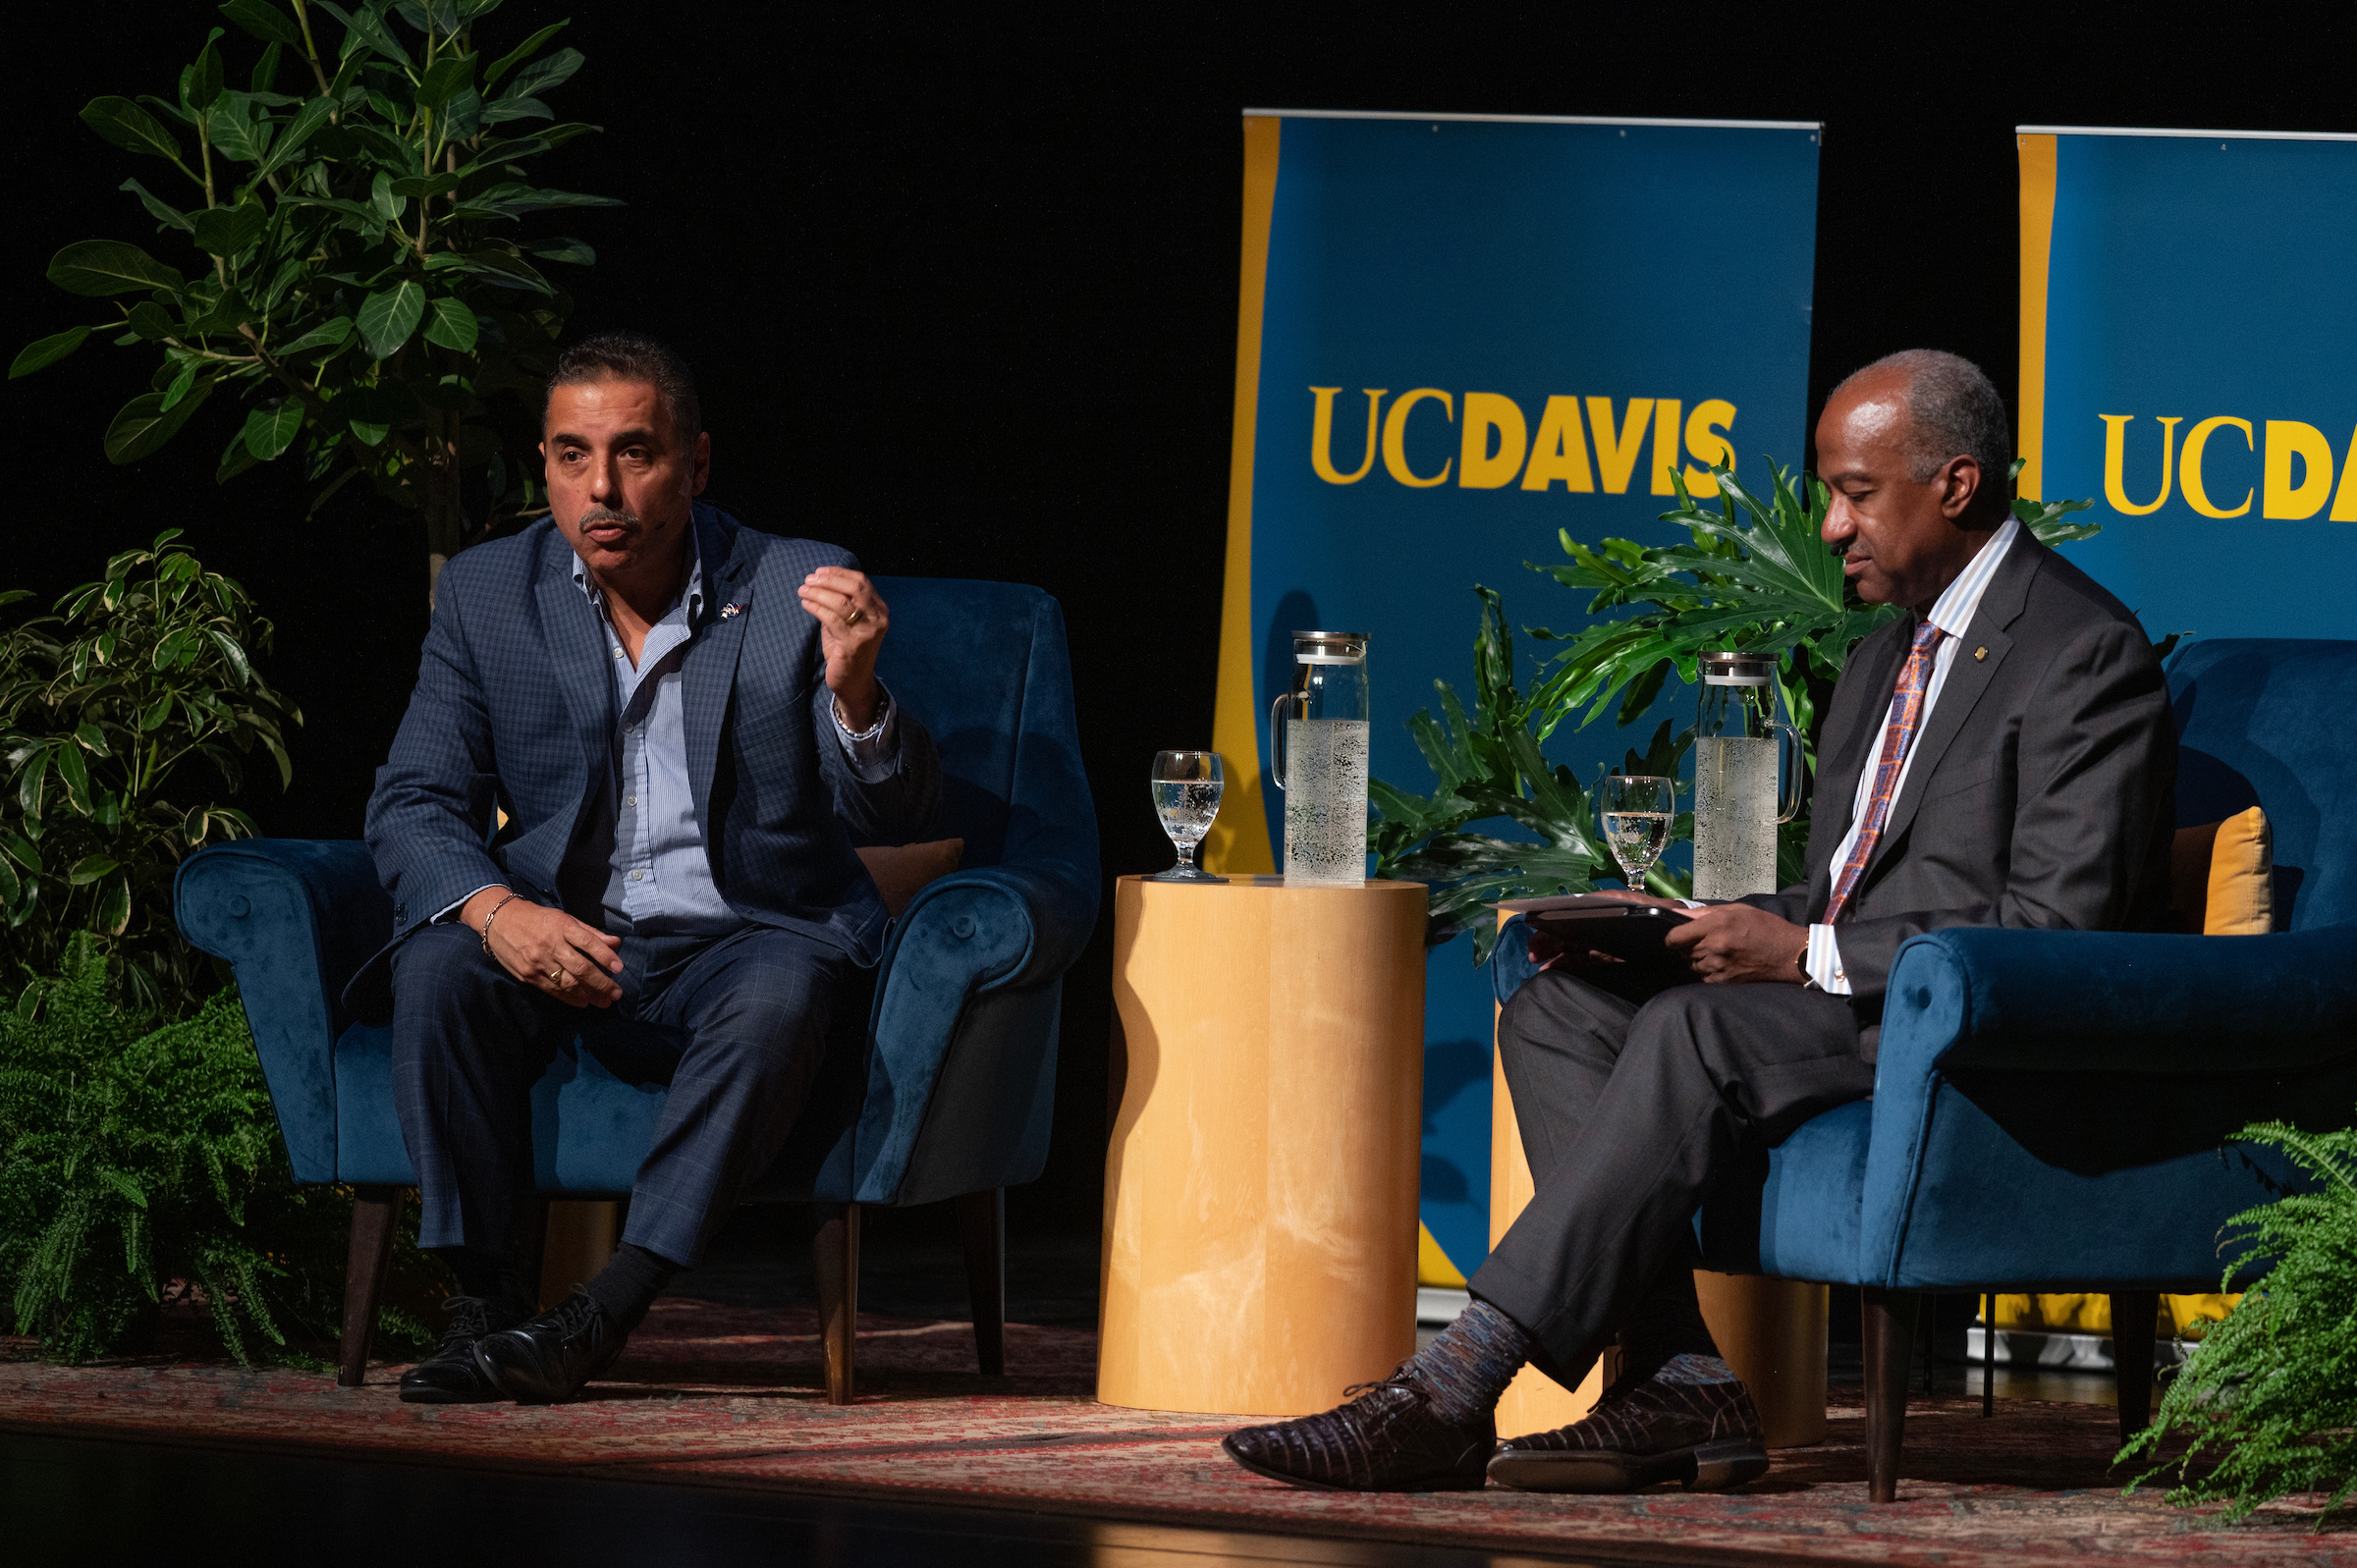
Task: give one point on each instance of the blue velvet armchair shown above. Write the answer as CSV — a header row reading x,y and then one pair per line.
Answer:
x,y
951,1098
2051,1109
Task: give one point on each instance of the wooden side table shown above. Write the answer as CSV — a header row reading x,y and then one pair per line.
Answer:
x,y
1772,1332
1260,1190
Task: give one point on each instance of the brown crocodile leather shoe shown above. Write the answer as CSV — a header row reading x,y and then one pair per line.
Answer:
x,y
1387,1438
1705,1436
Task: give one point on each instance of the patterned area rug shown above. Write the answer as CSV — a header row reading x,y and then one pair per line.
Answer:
x,y
731,1396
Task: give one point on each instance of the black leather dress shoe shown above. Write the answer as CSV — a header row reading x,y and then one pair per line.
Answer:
x,y
1389,1439
1705,1436
549,1359
450,1377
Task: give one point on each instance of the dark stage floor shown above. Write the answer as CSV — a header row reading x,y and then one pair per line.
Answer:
x,y
76,1500
84,1499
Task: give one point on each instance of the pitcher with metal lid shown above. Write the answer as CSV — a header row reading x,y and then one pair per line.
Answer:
x,y
1318,733
1737,804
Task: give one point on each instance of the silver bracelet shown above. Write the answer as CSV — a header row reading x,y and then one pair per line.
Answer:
x,y
494,915
883,714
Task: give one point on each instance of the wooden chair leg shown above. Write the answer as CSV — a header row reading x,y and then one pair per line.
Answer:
x,y
1988,1354
1887,1320
375,1215
2134,1314
835,1250
982,1217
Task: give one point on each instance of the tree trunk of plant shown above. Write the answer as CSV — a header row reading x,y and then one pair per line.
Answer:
x,y
445,516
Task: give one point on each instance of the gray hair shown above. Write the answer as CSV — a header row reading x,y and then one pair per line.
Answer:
x,y
632,357
1953,410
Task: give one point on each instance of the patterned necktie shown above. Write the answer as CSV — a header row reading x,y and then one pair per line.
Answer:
x,y
1906,707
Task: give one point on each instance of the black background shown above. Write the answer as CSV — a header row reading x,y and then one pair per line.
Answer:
x,y
961,288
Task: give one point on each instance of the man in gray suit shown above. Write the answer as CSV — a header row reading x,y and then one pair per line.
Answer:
x,y
2000,756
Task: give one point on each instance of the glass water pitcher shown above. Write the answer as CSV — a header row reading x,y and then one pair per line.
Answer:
x,y
1738,803
1318,733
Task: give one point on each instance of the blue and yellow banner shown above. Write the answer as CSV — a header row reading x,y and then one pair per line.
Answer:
x,y
2189,359
1458,335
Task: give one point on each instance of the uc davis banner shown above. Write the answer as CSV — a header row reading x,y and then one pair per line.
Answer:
x,y
1458,335
2189,361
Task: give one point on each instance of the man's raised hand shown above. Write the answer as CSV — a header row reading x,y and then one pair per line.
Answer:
x,y
548,948
852,618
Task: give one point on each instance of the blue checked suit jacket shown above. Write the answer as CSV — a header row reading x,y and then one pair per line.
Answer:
x,y
514,710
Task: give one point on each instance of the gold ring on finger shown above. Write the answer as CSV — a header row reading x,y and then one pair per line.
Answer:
x,y
557,977
853,618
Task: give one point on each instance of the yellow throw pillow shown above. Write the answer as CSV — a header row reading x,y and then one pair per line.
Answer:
x,y
2241,902
902,870
2223,876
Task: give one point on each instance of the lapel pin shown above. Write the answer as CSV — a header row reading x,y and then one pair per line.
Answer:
x,y
727,611
1977,654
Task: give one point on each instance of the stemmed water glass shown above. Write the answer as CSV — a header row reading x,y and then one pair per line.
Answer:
x,y
1638,812
1186,796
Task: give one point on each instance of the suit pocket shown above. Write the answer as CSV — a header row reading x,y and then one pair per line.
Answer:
x,y
1956,777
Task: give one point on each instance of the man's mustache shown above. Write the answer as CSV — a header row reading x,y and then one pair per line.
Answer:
x,y
602,514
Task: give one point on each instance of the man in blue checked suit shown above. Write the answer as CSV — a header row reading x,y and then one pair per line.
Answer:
x,y
680,718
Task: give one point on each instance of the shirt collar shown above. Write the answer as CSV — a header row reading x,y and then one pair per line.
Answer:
x,y
692,591
1955,609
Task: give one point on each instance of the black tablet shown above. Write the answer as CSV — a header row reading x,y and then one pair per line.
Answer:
x,y
1632,931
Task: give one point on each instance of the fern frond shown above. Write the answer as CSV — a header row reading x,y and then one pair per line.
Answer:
x,y
2271,1391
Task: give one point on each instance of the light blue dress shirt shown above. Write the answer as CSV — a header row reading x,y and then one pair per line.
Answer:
x,y
659,880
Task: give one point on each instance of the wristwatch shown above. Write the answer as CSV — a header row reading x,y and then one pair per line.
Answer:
x,y
1800,966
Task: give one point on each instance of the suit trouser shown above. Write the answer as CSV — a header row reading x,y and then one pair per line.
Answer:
x,y
738,1024
1628,1110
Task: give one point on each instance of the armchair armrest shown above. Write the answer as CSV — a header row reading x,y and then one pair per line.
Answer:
x,y
993,928
1510,961
2113,1007
1051,910
295,918
2119,1001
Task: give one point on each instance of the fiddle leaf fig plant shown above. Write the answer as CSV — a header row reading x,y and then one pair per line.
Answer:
x,y
347,254
1754,577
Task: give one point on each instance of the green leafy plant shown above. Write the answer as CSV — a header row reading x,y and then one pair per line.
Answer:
x,y
101,707
139,1162
1755,577
2271,1391
352,271
1489,765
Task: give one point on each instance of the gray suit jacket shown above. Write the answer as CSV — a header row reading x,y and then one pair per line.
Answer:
x,y
2043,791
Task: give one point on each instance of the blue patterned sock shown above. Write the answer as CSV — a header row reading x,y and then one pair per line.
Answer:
x,y
1688,1368
1470,1365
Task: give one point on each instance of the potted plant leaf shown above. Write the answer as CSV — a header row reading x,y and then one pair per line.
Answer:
x,y
345,254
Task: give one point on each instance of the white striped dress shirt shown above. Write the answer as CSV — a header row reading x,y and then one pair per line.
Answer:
x,y
1952,613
